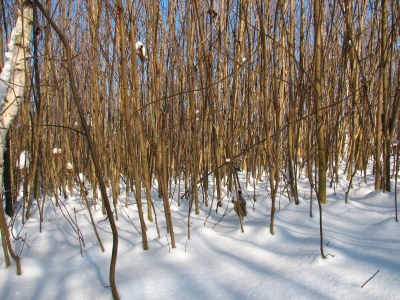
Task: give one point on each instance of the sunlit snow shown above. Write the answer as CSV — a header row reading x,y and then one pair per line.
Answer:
x,y
23,160
219,261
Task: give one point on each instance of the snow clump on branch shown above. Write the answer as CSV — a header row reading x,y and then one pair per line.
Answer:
x,y
23,160
141,51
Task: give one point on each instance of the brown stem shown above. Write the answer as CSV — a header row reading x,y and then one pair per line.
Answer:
x,y
91,148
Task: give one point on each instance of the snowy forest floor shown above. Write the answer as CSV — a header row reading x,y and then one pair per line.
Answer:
x,y
219,261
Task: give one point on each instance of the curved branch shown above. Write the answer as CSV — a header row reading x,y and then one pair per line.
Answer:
x,y
99,173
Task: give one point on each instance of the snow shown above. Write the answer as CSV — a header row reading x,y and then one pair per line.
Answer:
x,y
139,45
81,177
56,151
23,160
219,261
141,50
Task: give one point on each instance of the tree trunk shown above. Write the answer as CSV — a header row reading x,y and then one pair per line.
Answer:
x,y
318,73
12,96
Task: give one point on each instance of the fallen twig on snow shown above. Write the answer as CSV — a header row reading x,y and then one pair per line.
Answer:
x,y
370,279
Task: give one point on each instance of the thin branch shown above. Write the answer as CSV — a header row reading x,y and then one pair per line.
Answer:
x,y
370,279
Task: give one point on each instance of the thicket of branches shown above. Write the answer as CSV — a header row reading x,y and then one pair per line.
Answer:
x,y
226,84
223,81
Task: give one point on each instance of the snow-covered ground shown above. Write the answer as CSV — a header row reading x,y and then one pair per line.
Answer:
x,y
219,261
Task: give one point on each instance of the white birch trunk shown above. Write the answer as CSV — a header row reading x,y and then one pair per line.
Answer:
x,y
14,75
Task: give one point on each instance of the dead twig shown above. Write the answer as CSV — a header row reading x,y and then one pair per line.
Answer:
x,y
209,211
130,220
169,248
103,220
80,243
74,224
370,279
225,213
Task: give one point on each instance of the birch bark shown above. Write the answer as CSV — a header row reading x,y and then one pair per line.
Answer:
x,y
13,76
12,87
